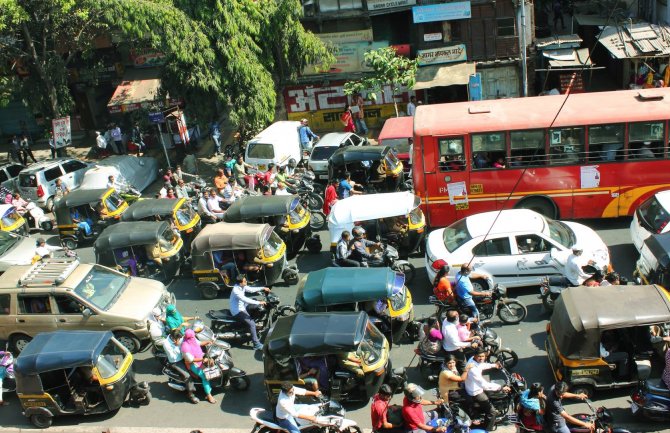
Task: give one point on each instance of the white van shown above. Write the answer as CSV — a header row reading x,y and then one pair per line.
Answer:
x,y
278,143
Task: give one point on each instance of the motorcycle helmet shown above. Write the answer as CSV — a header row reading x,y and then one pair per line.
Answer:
x,y
358,232
414,392
577,248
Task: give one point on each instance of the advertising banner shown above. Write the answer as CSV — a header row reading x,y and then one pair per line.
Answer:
x,y
349,57
346,37
434,56
62,132
374,5
441,12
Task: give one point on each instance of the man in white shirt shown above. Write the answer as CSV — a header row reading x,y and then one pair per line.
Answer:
x,y
203,210
476,386
451,342
43,250
281,189
573,267
239,303
411,107
171,347
100,143
214,205
286,412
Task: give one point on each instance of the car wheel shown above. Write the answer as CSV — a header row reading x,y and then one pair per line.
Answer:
x,y
18,342
49,205
41,420
128,340
479,285
208,290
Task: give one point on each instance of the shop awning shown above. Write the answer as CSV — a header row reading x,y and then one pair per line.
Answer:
x,y
568,58
138,88
428,77
642,40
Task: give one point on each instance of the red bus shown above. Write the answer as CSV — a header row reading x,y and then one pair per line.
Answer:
x,y
604,154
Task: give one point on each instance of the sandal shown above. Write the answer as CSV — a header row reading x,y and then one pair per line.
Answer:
x,y
194,399
211,400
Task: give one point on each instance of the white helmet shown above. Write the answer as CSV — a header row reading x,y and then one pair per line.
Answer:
x,y
577,248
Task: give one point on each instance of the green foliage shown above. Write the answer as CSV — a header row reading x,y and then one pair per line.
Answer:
x,y
387,68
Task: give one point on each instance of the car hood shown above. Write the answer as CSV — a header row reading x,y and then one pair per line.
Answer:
x,y
594,247
138,299
20,254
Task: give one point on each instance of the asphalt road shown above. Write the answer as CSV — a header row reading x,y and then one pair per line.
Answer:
x,y
171,409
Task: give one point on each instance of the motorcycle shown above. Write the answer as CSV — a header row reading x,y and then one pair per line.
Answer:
x,y
304,187
600,417
228,328
651,398
552,286
509,311
37,219
329,418
389,258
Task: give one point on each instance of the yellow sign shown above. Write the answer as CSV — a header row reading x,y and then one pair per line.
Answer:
x,y
585,372
476,188
462,206
329,120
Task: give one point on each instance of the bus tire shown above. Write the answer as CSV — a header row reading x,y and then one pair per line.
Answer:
x,y
541,205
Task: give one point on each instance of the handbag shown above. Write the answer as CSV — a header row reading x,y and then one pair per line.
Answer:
x,y
211,373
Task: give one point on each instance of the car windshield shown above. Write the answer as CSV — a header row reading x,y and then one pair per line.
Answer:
x,y
456,235
653,216
261,151
6,242
10,218
102,287
322,153
110,359
400,145
561,233
113,202
184,214
272,245
370,349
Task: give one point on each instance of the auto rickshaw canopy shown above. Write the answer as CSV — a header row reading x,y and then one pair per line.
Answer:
x,y
252,207
230,236
659,245
582,313
61,350
347,154
333,286
150,207
127,234
76,198
316,334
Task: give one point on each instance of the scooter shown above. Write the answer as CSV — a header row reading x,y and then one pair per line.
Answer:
x,y
37,219
329,418
651,398
552,286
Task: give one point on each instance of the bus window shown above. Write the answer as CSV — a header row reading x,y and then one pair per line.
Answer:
x,y
487,149
566,145
606,142
645,140
528,148
451,154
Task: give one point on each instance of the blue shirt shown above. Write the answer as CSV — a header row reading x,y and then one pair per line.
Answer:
x,y
344,188
215,130
306,134
463,287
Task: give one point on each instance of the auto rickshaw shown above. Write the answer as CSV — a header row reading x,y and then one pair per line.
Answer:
x,y
376,168
11,221
98,208
224,250
149,249
75,373
653,266
619,319
289,218
350,354
380,292
395,217
177,211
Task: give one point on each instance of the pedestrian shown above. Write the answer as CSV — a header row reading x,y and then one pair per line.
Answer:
x,y
347,119
411,106
117,137
15,149
138,139
26,151
330,196
359,115
52,145
307,137
215,131
558,14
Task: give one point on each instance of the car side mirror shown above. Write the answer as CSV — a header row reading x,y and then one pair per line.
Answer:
x,y
87,312
553,253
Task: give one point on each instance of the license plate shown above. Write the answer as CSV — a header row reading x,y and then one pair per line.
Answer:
x,y
323,176
634,407
262,167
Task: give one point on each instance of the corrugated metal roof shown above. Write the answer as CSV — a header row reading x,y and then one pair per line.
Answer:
x,y
637,41
558,41
580,58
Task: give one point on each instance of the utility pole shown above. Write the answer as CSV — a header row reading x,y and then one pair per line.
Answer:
x,y
521,19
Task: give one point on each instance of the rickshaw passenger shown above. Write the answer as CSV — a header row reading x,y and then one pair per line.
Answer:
x,y
81,221
154,253
610,352
125,259
223,261
239,304
314,367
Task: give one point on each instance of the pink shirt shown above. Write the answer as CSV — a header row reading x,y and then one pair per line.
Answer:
x,y
463,332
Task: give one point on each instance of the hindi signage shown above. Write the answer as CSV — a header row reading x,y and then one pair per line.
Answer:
x,y
62,132
346,37
435,56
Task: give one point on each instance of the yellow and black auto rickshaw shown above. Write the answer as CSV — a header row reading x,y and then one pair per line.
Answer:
x,y
11,221
83,213
600,337
284,212
376,168
75,373
176,211
149,249
222,251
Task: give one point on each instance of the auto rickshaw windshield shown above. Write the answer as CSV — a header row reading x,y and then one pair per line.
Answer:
x,y
102,287
399,297
110,359
272,246
416,216
113,202
372,345
166,242
561,233
185,214
10,217
391,160
297,213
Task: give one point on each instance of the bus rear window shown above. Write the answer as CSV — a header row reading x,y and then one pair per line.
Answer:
x,y
261,151
653,216
456,235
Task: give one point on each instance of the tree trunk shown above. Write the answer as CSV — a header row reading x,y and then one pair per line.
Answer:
x,y
39,67
395,105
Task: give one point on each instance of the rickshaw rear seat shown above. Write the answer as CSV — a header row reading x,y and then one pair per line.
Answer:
x,y
657,386
224,315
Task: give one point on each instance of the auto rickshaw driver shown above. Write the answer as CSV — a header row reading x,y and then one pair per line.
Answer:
x,y
82,221
360,252
86,384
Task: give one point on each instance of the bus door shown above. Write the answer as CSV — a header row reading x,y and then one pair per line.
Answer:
x,y
446,179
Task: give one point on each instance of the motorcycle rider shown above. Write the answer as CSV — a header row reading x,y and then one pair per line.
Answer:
x,y
573,267
451,342
172,348
379,411
413,414
555,416
286,412
476,386
465,291
344,250
239,304
360,252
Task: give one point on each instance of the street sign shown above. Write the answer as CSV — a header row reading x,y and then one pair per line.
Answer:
x,y
62,132
475,87
157,117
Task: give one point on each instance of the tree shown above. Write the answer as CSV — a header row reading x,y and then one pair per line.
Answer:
x,y
387,68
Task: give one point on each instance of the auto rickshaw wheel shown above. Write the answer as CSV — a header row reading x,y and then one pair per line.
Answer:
x,y
240,383
208,290
317,220
128,340
291,277
18,342
352,429
69,243
548,303
582,389
41,420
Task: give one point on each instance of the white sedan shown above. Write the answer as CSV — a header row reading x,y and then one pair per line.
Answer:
x,y
652,217
514,247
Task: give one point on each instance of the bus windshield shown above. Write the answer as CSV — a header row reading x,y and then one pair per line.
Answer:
x,y
456,235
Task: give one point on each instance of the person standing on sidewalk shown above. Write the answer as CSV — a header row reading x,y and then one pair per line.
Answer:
x,y
26,151
359,115
558,14
215,131
117,137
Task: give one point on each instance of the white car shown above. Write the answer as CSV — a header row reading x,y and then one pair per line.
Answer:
x,y
652,217
326,146
516,251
